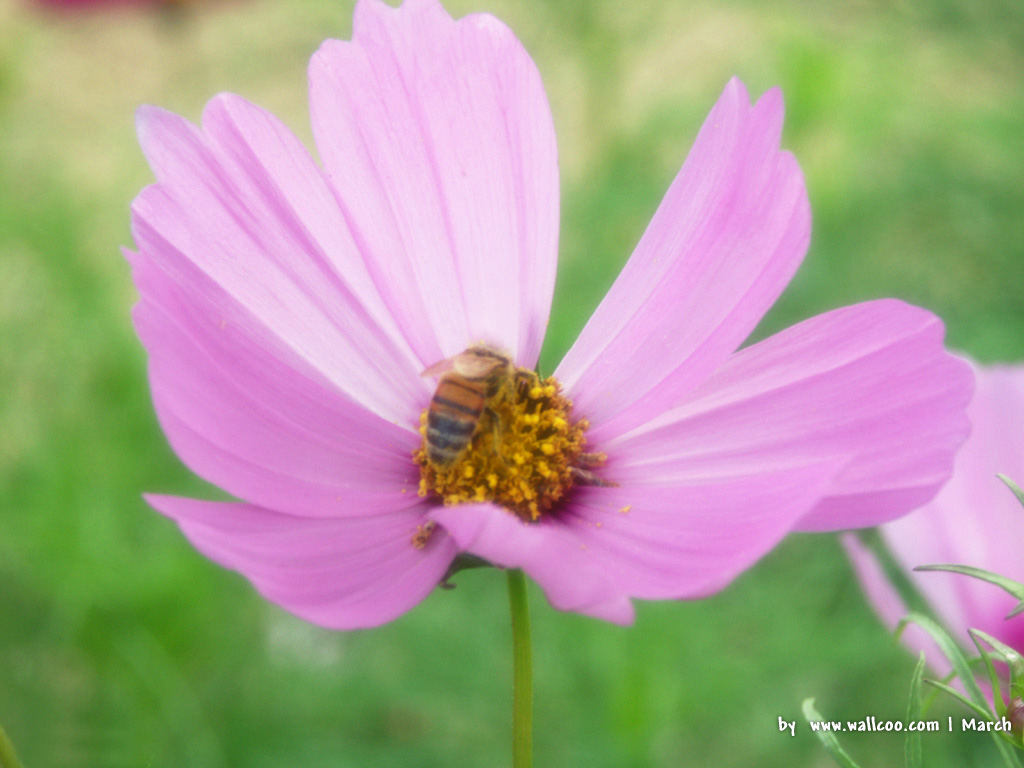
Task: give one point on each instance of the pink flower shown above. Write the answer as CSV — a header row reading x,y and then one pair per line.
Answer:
x,y
288,311
974,520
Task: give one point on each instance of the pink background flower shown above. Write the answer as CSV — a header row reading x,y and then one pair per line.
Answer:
x,y
975,520
288,309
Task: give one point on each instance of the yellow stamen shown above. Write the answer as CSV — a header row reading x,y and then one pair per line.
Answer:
x,y
522,453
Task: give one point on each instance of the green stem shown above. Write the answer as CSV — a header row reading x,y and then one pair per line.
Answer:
x,y
522,672
7,757
913,600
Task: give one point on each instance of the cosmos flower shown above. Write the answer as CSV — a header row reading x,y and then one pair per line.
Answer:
x,y
289,311
974,520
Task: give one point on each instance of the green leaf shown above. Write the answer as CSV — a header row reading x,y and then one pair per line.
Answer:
x,y
1015,588
1002,744
935,693
993,676
1013,487
1010,759
912,750
980,711
953,652
827,738
7,757
977,701
1010,655
1008,754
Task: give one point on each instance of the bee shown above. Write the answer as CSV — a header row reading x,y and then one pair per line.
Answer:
x,y
468,381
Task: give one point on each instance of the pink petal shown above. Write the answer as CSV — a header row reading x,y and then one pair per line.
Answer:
x,y
245,415
342,574
727,238
571,577
867,386
686,540
241,219
439,143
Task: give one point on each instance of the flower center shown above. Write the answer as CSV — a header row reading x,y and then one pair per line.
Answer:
x,y
502,435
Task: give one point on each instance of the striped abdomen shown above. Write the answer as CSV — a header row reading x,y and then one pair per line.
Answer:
x,y
453,417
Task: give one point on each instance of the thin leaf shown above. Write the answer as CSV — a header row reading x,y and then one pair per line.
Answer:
x,y
993,676
982,712
7,757
912,749
827,738
1010,655
1014,588
1013,487
1010,758
934,693
952,651
1009,755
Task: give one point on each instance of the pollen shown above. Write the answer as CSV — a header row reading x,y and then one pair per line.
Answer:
x,y
525,454
423,534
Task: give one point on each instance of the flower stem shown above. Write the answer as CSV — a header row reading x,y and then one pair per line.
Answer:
x,y
913,600
7,757
522,672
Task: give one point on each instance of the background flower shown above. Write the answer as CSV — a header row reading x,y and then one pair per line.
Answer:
x,y
975,520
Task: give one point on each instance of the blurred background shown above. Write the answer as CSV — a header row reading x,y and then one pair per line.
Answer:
x,y
121,646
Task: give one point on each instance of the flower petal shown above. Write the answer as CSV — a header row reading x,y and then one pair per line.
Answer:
x,y
727,238
244,414
572,578
439,142
689,540
241,217
342,574
868,385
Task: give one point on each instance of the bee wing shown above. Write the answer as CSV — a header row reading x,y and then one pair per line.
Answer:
x,y
439,368
475,366
472,364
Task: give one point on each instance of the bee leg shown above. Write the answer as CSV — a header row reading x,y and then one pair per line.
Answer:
x,y
525,380
586,477
496,430
592,460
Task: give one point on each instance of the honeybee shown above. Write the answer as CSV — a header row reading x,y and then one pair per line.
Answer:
x,y
468,381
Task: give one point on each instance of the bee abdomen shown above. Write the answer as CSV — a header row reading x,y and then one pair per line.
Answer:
x,y
447,438
451,421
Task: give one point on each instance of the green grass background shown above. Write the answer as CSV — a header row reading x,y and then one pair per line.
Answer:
x,y
121,646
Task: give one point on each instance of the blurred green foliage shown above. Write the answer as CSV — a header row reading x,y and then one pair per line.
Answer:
x,y
121,646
